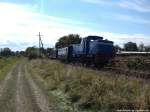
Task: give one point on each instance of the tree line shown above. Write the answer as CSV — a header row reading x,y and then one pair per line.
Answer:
x,y
131,46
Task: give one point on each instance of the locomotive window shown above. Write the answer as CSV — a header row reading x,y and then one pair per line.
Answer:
x,y
92,40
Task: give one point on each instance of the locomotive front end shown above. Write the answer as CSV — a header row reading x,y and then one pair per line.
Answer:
x,y
102,51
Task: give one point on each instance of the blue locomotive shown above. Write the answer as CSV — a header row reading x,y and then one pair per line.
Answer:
x,y
92,50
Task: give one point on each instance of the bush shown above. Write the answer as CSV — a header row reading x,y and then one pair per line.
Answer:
x,y
32,53
32,56
138,63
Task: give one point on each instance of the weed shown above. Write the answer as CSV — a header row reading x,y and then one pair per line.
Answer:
x,y
5,65
91,90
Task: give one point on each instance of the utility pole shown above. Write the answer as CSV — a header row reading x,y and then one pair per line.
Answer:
x,y
40,43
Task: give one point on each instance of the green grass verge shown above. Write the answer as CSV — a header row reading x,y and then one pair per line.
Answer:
x,y
90,90
6,65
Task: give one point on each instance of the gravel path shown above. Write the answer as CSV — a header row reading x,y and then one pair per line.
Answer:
x,y
20,93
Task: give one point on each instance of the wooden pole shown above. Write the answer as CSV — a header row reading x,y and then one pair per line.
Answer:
x,y
40,43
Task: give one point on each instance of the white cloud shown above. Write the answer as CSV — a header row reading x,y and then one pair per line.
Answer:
x,y
19,26
120,39
132,19
124,38
136,5
106,2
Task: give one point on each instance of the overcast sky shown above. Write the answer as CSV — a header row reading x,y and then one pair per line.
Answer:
x,y
117,20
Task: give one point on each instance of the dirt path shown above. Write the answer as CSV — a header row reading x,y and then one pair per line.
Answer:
x,y
20,93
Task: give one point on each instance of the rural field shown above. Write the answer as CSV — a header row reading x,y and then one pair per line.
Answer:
x,y
44,85
74,56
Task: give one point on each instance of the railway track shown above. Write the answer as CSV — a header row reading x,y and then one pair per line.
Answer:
x,y
146,61
127,72
112,69
119,71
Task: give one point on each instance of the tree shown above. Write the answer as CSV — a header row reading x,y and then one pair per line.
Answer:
x,y
141,47
19,53
67,40
117,48
22,53
6,52
31,52
147,48
130,46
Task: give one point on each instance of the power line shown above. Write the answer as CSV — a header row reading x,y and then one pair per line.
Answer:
x,y
40,43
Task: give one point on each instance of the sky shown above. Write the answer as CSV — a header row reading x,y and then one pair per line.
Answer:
x,y
120,21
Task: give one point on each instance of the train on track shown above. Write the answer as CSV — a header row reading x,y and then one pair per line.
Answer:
x,y
92,50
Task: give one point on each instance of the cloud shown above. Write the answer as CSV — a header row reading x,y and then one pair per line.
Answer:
x,y
136,5
14,45
106,2
132,19
120,39
20,24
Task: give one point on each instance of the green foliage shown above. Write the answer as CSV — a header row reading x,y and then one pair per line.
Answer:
x,y
147,48
117,48
141,47
6,52
32,52
5,65
130,46
67,40
138,64
92,90
20,53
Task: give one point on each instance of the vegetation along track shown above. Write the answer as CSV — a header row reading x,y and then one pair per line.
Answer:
x,y
127,72
91,90
20,93
121,71
79,88
133,66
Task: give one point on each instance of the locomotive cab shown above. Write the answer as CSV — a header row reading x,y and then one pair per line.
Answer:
x,y
85,43
97,50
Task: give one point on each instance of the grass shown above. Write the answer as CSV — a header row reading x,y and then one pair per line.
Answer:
x,y
90,90
5,65
140,63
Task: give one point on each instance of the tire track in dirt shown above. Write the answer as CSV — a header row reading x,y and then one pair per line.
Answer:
x,y
7,91
20,93
40,98
24,100
6,80
19,101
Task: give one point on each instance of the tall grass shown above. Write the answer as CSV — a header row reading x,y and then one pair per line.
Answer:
x,y
140,63
5,65
93,90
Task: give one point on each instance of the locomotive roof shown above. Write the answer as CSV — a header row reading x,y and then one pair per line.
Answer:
x,y
94,37
99,38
